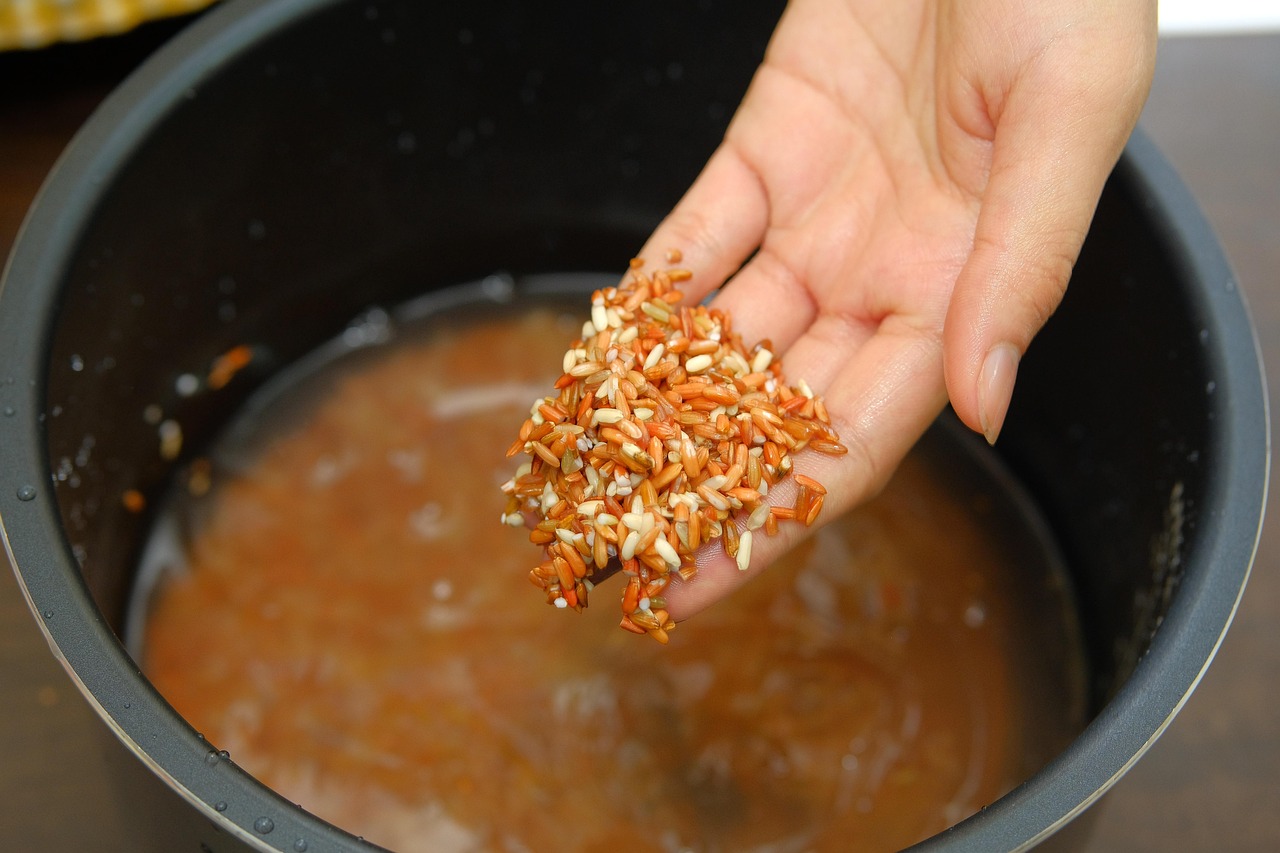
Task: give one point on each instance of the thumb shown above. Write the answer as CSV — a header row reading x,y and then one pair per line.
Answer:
x,y
1054,146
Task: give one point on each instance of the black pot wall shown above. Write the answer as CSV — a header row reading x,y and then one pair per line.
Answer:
x,y
285,165
1114,429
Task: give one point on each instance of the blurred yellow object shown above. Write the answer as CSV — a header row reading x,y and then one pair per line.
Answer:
x,y
36,23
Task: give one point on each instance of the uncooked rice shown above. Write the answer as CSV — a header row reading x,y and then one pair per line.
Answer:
x,y
664,433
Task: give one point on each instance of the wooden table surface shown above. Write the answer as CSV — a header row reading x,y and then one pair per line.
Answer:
x,y
1212,782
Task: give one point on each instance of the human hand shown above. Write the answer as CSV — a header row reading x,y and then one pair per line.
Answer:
x,y
906,187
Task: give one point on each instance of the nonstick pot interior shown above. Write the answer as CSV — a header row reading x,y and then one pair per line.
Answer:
x,y
282,166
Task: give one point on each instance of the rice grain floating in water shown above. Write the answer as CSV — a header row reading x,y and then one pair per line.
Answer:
x,y
663,430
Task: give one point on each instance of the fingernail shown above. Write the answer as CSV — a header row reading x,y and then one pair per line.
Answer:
x,y
995,388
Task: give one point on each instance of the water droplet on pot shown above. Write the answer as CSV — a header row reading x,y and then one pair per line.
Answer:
x,y
26,493
170,440
48,614
211,757
300,845
500,287
186,385
220,806
264,825
224,755
77,363
372,327
10,411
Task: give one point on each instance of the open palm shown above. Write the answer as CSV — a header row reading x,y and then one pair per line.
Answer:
x,y
899,201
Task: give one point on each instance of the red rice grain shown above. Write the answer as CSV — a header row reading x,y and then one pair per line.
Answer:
x,y
663,430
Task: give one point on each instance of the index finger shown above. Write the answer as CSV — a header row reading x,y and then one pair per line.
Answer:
x,y
716,225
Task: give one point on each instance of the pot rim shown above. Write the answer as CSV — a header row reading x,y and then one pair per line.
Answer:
x,y
106,675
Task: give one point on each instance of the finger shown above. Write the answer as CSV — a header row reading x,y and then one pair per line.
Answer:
x,y
767,301
1054,147
881,401
716,225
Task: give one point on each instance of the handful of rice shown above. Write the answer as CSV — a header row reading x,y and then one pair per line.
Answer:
x,y
664,433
